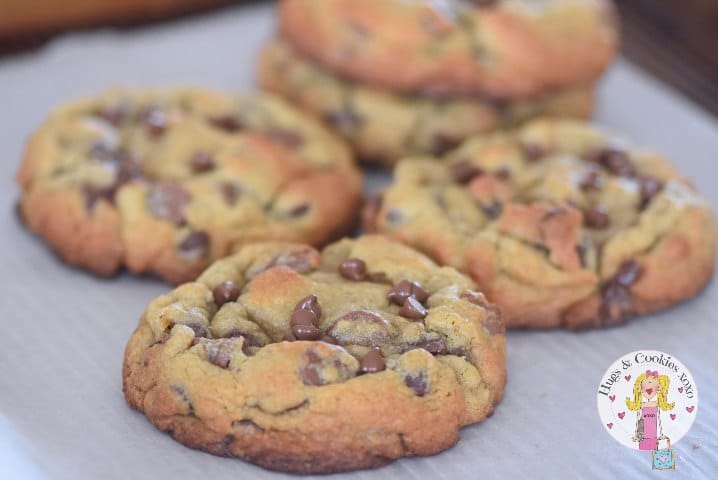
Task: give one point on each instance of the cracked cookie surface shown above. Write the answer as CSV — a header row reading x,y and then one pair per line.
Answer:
x,y
383,126
558,223
506,49
165,181
315,362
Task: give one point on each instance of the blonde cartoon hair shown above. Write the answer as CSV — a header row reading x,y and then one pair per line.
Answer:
x,y
661,396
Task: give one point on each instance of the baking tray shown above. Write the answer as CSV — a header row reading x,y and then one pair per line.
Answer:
x,y
62,331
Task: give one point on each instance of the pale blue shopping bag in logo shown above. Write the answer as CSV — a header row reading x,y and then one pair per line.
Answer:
x,y
663,458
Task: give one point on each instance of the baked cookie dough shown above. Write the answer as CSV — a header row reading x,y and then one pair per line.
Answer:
x,y
314,362
382,126
166,181
558,223
506,49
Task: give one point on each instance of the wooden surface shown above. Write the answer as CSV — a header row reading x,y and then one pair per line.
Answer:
x,y
675,40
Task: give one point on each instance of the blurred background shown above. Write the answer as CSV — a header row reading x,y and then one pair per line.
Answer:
x,y
675,40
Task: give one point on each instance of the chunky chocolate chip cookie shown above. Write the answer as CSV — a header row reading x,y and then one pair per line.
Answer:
x,y
314,362
559,223
165,181
498,48
383,126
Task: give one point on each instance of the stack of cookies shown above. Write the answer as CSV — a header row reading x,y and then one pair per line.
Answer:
x,y
398,78
292,347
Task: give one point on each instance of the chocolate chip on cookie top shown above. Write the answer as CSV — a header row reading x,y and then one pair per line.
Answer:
x,y
277,343
165,181
559,223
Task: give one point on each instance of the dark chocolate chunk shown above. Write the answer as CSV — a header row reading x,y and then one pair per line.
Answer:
x,y
503,173
494,209
225,292
304,317
412,309
597,218
353,269
372,362
443,143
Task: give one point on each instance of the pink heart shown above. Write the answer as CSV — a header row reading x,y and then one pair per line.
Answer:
x,y
612,397
673,416
609,425
680,389
621,415
690,409
661,458
627,377
649,391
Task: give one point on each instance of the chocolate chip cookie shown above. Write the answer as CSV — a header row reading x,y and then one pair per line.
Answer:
x,y
166,181
506,49
558,223
314,362
384,126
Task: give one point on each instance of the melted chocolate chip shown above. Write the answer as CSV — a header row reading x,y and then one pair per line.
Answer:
x,y
443,143
503,173
304,317
412,309
225,292
419,383
436,346
310,303
615,161
483,3
285,137
306,332
299,210
494,209
596,218
220,352
155,120
493,322
199,329
202,162
344,120
379,277
228,123
649,186
94,194
194,244
353,269
629,273
615,306
463,172
406,289
168,202
128,169
230,193
115,114
309,374
533,152
592,181
372,362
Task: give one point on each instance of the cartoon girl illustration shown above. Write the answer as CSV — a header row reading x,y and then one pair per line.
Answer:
x,y
650,397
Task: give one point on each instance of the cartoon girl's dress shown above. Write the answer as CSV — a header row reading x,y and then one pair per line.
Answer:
x,y
650,428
